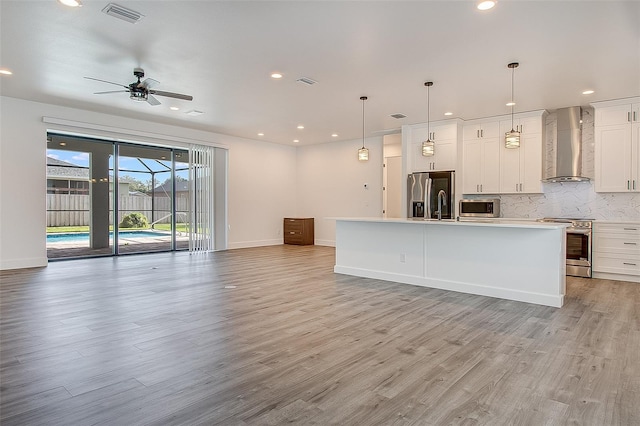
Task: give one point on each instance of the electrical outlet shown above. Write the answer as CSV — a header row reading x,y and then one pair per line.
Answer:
x,y
403,258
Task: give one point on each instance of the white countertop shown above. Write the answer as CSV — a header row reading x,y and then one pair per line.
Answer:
x,y
496,223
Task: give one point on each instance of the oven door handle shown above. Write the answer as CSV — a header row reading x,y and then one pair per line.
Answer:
x,y
578,231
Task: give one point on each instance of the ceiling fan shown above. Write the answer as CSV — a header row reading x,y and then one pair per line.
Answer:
x,y
142,90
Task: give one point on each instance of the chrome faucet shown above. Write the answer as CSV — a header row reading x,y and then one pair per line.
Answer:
x,y
442,201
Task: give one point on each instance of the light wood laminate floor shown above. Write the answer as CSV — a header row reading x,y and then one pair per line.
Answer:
x,y
270,336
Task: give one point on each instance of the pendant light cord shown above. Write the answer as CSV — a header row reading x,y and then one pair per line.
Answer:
x,y
513,71
364,98
428,113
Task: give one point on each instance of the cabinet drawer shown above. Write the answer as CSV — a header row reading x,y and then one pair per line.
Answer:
x,y
293,226
616,265
615,243
631,229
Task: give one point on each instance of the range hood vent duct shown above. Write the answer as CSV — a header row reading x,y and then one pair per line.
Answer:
x,y
568,147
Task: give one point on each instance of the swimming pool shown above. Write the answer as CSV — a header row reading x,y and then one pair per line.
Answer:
x,y
84,236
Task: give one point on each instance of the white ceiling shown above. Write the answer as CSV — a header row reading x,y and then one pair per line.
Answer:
x,y
223,52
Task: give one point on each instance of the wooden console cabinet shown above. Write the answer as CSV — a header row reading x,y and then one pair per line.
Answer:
x,y
298,231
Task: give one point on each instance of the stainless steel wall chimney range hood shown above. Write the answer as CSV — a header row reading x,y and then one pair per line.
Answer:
x,y
568,147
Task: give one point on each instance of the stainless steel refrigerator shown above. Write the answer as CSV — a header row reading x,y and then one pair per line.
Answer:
x,y
429,191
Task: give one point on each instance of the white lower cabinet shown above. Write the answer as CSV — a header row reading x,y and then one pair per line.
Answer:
x,y
616,250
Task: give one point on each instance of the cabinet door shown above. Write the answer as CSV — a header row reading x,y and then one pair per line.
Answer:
x,y
445,155
490,129
614,115
510,170
635,157
471,169
531,163
420,162
443,132
471,131
613,158
491,166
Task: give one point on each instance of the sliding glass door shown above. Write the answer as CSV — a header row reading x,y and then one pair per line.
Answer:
x,y
112,198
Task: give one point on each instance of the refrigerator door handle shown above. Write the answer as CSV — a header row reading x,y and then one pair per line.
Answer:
x,y
427,198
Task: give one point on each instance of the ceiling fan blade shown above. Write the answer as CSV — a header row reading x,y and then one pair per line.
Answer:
x,y
110,91
105,81
152,101
148,83
171,95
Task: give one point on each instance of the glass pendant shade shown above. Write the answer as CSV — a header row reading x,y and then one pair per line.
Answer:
x,y
428,148
512,139
363,154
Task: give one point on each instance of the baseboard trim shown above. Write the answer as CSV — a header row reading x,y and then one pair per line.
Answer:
x,y
35,262
461,287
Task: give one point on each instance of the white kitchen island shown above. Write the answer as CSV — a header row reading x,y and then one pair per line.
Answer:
x,y
515,260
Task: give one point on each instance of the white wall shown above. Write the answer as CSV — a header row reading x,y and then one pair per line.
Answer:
x,y
261,181
331,184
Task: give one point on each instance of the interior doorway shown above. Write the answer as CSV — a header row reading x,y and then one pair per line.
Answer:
x,y
392,176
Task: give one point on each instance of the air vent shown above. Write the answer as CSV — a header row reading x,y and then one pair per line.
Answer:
x,y
306,80
123,13
398,116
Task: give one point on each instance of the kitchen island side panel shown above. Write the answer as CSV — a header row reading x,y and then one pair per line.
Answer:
x,y
516,263
366,247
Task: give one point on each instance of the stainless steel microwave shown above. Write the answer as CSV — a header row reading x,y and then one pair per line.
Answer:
x,y
479,207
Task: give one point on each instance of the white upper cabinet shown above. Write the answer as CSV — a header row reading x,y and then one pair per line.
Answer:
x,y
481,166
490,168
481,129
444,134
617,145
481,157
521,168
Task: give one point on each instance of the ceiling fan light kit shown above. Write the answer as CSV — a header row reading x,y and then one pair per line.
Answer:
x,y
140,90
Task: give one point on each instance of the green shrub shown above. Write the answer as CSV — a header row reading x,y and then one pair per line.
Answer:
x,y
134,220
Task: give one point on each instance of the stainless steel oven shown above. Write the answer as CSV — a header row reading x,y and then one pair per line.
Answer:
x,y
579,236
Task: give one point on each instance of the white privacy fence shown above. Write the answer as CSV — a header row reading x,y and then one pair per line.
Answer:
x,y
75,210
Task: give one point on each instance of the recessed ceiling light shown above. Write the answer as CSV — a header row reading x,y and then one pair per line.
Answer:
x,y
276,75
174,108
588,92
301,127
448,113
63,144
296,140
194,112
71,3
5,71
486,4
260,134
511,103
335,135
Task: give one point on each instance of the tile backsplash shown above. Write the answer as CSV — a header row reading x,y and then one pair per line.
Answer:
x,y
572,199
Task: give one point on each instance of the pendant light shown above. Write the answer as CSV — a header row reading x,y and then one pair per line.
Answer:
x,y
363,153
512,138
428,146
